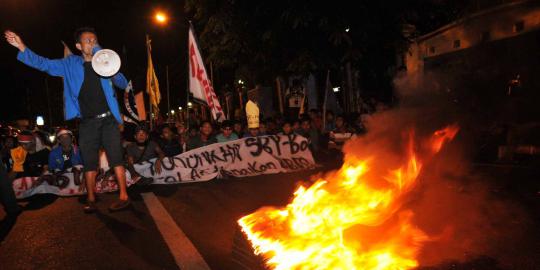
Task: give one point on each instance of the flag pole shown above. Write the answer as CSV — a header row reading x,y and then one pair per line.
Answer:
x,y
187,81
280,99
149,97
327,86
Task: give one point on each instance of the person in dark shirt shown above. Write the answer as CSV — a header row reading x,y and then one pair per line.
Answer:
x,y
9,143
141,150
309,133
287,128
92,99
204,137
169,142
7,195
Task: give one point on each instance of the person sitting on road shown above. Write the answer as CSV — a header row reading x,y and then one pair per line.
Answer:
x,y
66,154
227,133
238,128
169,142
340,134
286,128
271,128
309,133
263,128
252,132
7,195
141,150
9,143
204,137
29,159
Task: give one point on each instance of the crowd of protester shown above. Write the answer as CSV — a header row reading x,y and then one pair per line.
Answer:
x,y
29,155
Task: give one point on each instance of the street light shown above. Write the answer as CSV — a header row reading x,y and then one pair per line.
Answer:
x,y
40,121
180,108
336,89
172,112
189,104
160,17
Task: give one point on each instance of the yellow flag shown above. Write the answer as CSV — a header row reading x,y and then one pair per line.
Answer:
x,y
152,85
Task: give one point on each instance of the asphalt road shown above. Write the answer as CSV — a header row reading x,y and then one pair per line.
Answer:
x,y
54,233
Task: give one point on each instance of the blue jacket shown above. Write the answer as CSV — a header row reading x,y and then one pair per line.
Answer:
x,y
56,160
72,70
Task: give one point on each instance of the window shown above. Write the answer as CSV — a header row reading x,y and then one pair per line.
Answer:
x,y
486,36
457,43
519,26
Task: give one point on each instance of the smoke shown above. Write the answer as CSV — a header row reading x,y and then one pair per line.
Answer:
x,y
455,203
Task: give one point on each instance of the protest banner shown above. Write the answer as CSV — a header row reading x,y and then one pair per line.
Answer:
x,y
238,158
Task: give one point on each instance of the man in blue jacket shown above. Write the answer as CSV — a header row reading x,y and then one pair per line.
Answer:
x,y
92,99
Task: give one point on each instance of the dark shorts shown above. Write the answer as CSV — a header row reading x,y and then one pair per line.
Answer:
x,y
95,134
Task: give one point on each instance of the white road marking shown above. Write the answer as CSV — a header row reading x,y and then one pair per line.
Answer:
x,y
184,252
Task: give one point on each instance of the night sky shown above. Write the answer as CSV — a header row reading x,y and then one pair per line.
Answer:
x,y
119,23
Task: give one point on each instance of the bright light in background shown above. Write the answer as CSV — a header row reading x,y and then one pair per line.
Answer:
x,y
172,112
52,138
347,29
336,89
40,121
160,17
180,108
189,104
240,82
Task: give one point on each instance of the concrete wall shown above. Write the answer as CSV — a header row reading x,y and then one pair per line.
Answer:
x,y
486,26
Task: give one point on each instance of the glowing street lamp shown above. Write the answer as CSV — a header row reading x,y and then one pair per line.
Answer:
x,y
172,112
189,104
180,108
160,17
40,121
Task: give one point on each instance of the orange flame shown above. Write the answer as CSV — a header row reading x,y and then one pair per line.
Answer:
x,y
315,230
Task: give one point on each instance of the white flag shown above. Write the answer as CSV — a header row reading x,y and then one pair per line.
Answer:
x,y
199,83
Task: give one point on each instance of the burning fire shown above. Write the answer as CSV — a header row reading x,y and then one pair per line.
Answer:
x,y
351,220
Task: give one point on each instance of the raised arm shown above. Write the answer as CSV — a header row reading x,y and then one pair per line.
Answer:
x,y
54,67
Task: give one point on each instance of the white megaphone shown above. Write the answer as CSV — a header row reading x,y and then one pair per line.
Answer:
x,y
105,62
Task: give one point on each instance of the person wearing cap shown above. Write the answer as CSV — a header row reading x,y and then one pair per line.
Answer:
x,y
66,155
92,99
29,160
227,133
